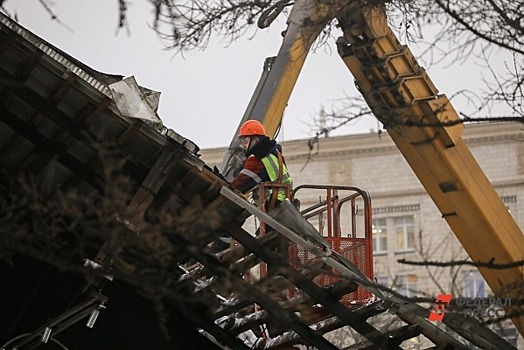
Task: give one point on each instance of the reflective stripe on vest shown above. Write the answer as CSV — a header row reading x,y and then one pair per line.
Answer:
x,y
271,164
251,174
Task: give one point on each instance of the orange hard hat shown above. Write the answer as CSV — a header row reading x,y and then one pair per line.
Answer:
x,y
251,128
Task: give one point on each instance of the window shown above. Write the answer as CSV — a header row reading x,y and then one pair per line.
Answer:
x,y
407,285
380,243
474,285
405,233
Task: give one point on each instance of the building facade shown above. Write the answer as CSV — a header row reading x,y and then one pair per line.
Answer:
x,y
406,223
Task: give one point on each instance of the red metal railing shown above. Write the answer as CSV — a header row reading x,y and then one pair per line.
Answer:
x,y
342,215
347,227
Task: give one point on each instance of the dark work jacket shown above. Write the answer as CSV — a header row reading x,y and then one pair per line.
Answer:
x,y
245,183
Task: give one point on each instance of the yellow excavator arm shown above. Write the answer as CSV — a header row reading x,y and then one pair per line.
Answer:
x,y
422,123
305,22
427,131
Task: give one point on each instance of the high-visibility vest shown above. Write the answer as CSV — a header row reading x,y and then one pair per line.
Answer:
x,y
271,164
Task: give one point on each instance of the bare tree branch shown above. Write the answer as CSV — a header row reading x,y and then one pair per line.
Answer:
x,y
489,264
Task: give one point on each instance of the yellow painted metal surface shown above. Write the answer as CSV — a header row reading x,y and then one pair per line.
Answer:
x,y
427,130
306,22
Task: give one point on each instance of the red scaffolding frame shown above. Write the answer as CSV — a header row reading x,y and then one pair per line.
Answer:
x,y
349,231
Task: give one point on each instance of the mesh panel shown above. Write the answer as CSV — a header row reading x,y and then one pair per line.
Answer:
x,y
354,250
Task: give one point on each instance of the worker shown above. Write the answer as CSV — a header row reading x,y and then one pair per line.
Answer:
x,y
264,163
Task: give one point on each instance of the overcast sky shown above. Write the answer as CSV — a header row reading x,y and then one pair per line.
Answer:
x,y
204,93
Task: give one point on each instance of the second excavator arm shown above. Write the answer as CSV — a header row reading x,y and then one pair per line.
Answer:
x,y
306,21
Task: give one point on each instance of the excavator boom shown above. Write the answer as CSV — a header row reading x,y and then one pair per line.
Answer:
x,y
306,21
427,131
